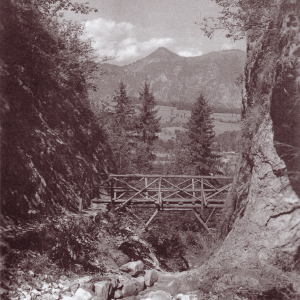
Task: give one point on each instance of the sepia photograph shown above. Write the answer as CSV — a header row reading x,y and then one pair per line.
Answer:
x,y
150,149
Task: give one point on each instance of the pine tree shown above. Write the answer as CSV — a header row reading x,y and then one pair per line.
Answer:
x,y
121,129
147,125
201,134
148,122
124,109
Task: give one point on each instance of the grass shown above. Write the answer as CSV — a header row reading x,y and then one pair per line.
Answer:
x,y
173,119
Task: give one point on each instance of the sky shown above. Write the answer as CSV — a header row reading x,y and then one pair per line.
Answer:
x,y
132,29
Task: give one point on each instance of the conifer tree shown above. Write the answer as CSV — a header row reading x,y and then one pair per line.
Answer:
x,y
148,122
201,134
147,128
124,109
121,131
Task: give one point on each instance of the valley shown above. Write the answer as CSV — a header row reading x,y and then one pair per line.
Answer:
x,y
178,81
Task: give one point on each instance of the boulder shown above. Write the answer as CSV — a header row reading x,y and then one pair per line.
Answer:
x,y
157,295
3,292
113,279
118,294
151,276
140,282
83,294
102,289
88,285
133,268
129,288
182,297
173,287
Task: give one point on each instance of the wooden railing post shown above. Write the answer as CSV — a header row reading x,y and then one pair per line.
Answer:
x,y
159,192
202,195
112,192
193,187
146,184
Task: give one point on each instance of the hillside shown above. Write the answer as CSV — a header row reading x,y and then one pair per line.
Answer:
x,y
175,79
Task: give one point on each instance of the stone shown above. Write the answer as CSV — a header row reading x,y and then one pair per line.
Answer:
x,y
26,287
97,298
102,289
66,297
140,282
172,287
74,287
157,295
129,289
3,292
48,278
114,280
182,297
83,294
151,276
88,285
117,294
63,277
133,268
67,294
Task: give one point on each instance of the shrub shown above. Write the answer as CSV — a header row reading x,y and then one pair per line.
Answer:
x,y
72,240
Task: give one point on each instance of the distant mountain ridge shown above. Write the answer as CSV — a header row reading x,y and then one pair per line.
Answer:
x,y
177,79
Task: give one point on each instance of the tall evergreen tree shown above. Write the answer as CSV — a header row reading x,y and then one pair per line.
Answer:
x,y
147,127
121,130
201,134
124,109
148,122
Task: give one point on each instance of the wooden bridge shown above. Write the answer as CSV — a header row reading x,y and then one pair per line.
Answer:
x,y
167,192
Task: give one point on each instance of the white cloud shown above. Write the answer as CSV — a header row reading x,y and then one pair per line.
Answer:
x,y
227,46
118,40
190,53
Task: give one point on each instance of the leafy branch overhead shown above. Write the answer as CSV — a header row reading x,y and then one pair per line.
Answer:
x,y
237,17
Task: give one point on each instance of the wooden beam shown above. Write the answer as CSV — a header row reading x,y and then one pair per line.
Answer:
x,y
210,215
167,176
201,222
151,218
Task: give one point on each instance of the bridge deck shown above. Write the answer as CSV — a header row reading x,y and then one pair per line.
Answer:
x,y
167,192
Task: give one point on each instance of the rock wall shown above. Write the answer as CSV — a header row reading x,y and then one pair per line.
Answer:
x,y
264,242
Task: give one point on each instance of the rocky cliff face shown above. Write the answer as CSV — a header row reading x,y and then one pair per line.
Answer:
x,y
176,79
264,242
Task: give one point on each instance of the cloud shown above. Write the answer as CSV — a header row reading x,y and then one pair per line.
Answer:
x,y
119,40
227,46
190,52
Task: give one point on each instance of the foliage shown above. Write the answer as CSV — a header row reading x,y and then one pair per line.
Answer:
x,y
120,128
72,239
61,241
200,138
239,16
147,121
228,141
124,110
52,147
169,249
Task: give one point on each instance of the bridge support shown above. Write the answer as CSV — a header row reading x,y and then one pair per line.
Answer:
x,y
151,218
201,221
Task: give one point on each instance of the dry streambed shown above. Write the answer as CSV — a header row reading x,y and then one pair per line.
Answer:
x,y
130,282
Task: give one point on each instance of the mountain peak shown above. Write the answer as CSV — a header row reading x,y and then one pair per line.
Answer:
x,y
163,52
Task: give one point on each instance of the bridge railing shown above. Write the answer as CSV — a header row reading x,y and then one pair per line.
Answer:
x,y
166,192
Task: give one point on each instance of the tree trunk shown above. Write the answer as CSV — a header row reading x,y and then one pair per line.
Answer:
x,y
264,243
